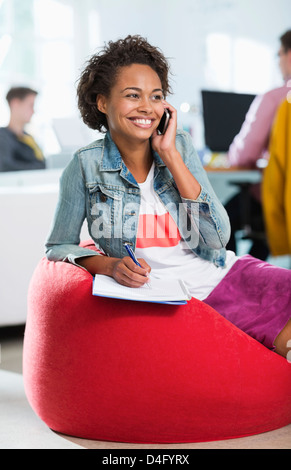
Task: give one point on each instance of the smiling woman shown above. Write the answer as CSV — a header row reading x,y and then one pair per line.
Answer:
x,y
133,113
136,185
122,91
102,70
135,107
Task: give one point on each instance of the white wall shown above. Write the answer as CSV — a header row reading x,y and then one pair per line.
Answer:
x,y
187,31
181,28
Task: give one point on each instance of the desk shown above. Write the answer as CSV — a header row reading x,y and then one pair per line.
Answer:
x,y
222,180
246,220
223,177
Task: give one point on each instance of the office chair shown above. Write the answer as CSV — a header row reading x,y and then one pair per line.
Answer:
x,y
247,219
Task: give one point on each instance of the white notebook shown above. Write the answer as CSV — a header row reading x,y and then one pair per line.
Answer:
x,y
171,291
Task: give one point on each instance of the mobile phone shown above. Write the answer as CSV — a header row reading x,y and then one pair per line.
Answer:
x,y
162,127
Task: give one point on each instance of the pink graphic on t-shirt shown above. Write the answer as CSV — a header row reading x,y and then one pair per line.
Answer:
x,y
157,230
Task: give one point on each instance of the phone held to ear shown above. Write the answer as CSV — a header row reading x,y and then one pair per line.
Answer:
x,y
162,127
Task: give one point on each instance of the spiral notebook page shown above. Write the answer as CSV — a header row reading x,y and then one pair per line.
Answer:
x,y
159,290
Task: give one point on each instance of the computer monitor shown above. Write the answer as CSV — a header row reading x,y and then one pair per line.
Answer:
x,y
223,115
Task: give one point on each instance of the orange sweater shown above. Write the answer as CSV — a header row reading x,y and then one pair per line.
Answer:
x,y
276,187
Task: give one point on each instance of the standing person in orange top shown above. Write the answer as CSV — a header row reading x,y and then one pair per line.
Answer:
x,y
18,149
252,144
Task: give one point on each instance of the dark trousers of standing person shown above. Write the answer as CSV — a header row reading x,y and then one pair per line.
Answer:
x,y
259,248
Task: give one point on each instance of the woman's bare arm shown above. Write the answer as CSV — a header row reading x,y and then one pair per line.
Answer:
x,y
123,270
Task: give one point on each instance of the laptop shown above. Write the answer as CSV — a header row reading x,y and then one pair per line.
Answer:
x,y
72,134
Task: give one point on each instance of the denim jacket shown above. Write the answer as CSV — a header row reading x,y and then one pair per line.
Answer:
x,y
97,185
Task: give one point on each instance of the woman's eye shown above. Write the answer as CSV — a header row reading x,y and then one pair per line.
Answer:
x,y
157,97
132,95
136,96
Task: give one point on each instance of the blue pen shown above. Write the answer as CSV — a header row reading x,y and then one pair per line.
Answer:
x,y
133,257
131,254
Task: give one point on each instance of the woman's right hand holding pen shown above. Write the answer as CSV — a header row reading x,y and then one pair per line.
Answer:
x,y
123,270
128,273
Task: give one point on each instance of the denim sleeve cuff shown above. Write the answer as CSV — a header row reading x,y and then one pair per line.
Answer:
x,y
203,197
71,258
69,253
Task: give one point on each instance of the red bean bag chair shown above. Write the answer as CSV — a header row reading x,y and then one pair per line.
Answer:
x,y
117,370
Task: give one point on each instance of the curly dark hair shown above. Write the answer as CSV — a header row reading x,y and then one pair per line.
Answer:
x,y
102,69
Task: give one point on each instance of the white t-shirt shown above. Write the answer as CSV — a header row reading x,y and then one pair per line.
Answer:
x,y
159,243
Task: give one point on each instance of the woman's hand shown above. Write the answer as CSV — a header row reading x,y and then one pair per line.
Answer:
x,y
129,274
165,144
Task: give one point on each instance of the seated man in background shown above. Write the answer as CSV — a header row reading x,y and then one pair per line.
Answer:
x,y
251,144
18,150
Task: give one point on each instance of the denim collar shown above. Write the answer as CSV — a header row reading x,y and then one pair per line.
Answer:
x,y
111,158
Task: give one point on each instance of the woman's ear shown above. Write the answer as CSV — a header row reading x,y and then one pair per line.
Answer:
x,y
101,103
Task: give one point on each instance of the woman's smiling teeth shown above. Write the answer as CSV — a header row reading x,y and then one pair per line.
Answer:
x,y
142,121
